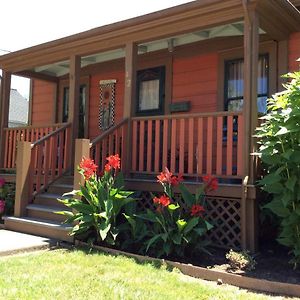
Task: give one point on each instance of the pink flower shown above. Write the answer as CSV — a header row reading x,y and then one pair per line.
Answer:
x,y
2,206
2,182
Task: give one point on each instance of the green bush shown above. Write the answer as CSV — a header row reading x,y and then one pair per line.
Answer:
x,y
174,229
98,206
279,139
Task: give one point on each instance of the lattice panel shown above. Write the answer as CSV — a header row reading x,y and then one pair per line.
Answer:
x,y
223,213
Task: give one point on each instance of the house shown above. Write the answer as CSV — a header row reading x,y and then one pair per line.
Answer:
x,y
18,109
182,87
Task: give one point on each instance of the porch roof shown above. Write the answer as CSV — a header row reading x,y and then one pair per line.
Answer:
x,y
278,18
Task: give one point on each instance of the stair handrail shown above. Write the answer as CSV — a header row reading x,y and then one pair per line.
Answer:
x,y
49,135
103,135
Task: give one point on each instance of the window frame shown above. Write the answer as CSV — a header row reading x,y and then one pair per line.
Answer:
x,y
161,76
226,75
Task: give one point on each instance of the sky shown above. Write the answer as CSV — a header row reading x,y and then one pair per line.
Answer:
x,y
32,22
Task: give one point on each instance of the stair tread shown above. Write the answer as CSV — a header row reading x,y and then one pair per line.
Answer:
x,y
47,208
62,185
40,222
51,196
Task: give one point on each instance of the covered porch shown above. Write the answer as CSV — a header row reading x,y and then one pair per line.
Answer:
x,y
197,126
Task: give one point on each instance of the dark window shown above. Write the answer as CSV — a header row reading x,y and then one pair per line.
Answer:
x,y
82,105
234,84
150,91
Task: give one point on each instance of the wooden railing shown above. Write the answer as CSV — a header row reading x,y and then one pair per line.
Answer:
x,y
27,134
50,158
112,141
191,144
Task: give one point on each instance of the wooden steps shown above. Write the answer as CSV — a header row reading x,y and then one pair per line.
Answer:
x,y
40,227
41,217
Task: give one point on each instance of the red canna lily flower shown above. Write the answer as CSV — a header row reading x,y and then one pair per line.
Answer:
x,y
162,200
176,180
197,210
168,177
88,167
114,161
211,183
107,168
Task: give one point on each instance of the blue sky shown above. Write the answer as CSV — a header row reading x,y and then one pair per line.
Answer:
x,y
32,22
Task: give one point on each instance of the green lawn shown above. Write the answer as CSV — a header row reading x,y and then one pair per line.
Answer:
x,y
63,274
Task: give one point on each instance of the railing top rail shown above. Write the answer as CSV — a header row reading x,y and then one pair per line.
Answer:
x,y
35,126
108,132
46,137
192,115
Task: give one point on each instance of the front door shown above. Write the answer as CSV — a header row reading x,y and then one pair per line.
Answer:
x,y
82,110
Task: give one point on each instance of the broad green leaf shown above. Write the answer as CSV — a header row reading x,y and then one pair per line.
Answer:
x,y
103,230
65,213
119,180
181,224
270,179
152,240
72,193
173,207
278,209
188,197
209,226
190,225
176,238
167,248
290,183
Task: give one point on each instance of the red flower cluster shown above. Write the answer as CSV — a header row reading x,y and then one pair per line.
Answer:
x,y
197,210
88,167
211,183
168,177
162,200
2,182
2,206
113,163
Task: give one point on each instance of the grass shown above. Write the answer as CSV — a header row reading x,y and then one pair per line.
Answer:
x,y
63,274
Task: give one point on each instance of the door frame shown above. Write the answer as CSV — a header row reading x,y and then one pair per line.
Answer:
x,y
64,83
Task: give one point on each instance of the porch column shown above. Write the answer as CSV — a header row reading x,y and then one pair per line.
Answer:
x,y
4,111
251,53
131,52
74,91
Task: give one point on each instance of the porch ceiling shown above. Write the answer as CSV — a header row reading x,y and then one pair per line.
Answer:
x,y
278,18
234,29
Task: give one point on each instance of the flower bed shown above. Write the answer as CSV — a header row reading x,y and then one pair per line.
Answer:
x,y
6,198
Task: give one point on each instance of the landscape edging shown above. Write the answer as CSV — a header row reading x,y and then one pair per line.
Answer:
x,y
246,282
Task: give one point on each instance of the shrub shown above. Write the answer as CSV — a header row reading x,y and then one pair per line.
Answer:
x,y
279,138
97,207
6,199
174,229
241,260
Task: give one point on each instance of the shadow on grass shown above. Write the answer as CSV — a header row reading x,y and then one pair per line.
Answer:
x,y
137,258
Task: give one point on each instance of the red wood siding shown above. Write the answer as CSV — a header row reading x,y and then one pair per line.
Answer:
x,y
195,79
94,99
294,51
42,102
